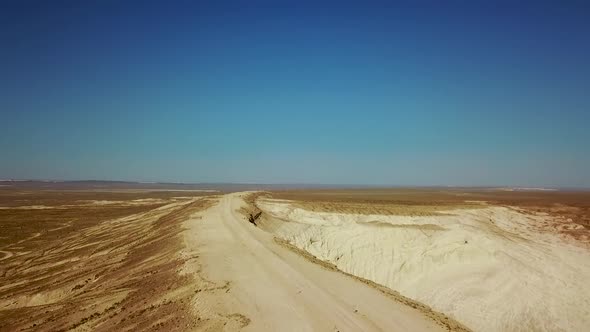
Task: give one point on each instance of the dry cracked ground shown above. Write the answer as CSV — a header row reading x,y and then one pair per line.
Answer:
x,y
96,261
121,259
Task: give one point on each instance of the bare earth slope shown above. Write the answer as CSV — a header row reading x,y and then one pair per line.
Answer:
x,y
493,268
264,286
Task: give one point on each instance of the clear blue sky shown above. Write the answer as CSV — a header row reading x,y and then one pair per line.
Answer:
x,y
435,93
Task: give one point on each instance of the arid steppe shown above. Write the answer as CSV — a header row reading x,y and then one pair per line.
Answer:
x,y
129,257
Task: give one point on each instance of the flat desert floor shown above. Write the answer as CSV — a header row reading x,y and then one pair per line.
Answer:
x,y
128,258
94,260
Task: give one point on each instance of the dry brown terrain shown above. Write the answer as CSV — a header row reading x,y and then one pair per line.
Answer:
x,y
116,258
70,263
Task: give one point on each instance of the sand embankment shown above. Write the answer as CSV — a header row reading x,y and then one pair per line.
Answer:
x,y
257,284
490,268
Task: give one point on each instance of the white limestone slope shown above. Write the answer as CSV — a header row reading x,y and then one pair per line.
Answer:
x,y
272,288
488,268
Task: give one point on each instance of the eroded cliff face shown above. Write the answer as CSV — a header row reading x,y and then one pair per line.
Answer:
x,y
492,268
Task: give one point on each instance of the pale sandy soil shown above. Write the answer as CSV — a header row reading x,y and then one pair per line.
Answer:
x,y
492,268
257,284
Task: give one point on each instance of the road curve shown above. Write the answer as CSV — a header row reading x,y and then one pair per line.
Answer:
x,y
268,287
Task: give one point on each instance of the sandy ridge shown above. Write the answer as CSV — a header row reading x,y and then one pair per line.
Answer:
x,y
466,267
272,287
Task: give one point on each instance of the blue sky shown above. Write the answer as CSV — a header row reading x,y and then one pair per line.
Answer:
x,y
339,93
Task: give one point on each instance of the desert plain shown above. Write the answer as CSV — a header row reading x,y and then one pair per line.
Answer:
x,y
128,257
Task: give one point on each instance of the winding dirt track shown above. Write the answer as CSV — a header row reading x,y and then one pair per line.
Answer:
x,y
264,286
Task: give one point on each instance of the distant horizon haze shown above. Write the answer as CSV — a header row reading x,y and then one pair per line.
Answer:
x,y
298,185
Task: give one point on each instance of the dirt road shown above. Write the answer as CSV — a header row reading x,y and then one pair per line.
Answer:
x,y
257,284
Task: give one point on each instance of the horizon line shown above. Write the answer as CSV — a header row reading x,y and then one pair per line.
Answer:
x,y
316,184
